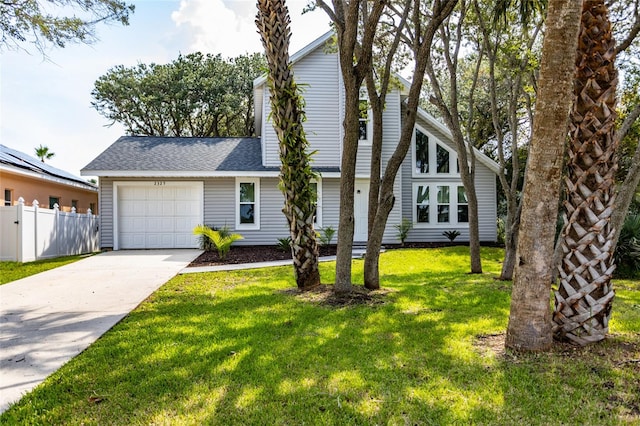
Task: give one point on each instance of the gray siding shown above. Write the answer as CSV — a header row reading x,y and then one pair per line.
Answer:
x,y
105,201
317,75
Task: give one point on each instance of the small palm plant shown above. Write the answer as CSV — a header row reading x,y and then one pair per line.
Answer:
x,y
451,235
221,239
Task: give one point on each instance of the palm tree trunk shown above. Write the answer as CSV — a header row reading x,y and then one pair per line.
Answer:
x,y
288,115
585,295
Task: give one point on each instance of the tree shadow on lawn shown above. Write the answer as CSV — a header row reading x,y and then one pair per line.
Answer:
x,y
250,354
233,350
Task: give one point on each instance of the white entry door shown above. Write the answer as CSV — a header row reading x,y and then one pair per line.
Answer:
x,y
158,214
360,210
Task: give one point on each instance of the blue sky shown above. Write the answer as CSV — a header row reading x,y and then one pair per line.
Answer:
x,y
48,101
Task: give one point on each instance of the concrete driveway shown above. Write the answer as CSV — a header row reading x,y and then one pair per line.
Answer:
x,y
48,318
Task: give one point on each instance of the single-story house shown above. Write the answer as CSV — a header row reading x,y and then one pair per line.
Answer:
x,y
155,190
26,177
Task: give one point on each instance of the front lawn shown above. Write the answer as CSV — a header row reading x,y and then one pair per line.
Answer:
x,y
12,271
235,348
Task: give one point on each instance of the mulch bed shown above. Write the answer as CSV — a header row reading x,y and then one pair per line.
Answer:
x,y
251,254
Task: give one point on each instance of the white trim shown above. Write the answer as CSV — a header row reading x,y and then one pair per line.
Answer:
x,y
118,184
256,202
433,157
433,205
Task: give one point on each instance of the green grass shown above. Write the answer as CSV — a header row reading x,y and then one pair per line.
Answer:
x,y
233,348
11,271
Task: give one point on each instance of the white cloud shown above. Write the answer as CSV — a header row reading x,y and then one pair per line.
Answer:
x,y
215,28
228,27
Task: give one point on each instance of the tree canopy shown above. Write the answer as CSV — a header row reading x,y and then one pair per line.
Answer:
x,y
44,23
195,95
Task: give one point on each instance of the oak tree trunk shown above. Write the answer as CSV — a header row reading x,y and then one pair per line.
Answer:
x,y
529,327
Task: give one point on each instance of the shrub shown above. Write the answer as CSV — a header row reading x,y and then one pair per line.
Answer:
x,y
221,239
403,229
451,235
501,231
326,235
284,244
627,254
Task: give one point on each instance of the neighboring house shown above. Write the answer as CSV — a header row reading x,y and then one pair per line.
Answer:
x,y
26,177
154,190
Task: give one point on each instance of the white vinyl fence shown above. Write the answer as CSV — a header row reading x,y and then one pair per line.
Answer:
x,y
30,233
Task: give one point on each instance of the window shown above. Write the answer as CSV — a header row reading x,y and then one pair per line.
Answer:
x,y
463,206
248,203
449,201
422,153
74,204
363,116
8,199
316,187
443,159
422,204
443,204
92,206
431,157
53,201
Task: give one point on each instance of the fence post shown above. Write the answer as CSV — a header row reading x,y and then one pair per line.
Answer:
x,y
36,208
19,230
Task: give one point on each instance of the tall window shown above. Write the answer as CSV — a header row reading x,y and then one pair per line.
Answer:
x,y
74,204
316,188
363,117
422,203
8,200
248,203
463,206
443,204
442,159
422,153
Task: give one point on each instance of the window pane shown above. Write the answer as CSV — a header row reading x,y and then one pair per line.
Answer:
x,y
422,152
247,192
462,195
422,213
362,130
246,213
443,159
422,195
443,194
443,214
363,108
463,213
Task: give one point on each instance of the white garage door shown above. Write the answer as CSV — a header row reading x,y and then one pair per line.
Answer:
x,y
158,214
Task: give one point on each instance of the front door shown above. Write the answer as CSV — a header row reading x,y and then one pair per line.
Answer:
x,y
360,210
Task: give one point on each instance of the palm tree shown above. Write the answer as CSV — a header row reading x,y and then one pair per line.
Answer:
x,y
42,152
287,113
585,295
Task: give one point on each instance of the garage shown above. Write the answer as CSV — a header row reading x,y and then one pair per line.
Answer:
x,y
157,214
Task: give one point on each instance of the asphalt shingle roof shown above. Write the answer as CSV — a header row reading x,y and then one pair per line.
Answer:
x,y
150,153
24,161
